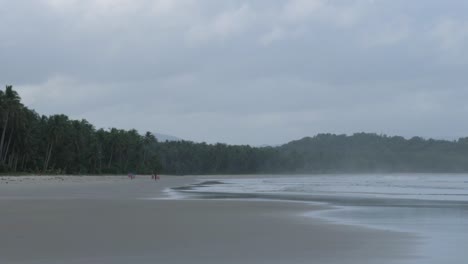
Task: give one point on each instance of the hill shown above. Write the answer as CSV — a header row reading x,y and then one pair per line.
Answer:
x,y
34,143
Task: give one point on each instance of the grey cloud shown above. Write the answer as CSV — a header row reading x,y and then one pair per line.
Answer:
x,y
242,71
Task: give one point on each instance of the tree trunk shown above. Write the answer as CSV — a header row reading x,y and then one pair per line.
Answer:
x,y
49,153
23,161
10,160
46,156
78,153
5,154
2,140
121,162
143,164
15,163
110,159
126,163
100,161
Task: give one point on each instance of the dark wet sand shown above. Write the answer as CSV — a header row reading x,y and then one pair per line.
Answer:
x,y
108,222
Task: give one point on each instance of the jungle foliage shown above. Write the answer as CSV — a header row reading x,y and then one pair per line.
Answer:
x,y
33,143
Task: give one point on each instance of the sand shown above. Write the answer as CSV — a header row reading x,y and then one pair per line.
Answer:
x,y
116,220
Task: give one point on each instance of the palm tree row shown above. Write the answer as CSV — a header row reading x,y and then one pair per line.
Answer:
x,y
33,143
55,144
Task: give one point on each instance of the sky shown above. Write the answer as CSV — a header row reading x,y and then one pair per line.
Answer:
x,y
243,71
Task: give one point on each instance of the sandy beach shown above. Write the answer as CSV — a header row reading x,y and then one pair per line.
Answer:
x,y
117,220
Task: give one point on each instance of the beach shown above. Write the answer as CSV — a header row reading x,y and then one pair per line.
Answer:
x,y
117,220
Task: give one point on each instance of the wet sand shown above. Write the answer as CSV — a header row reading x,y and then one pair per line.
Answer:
x,y
83,220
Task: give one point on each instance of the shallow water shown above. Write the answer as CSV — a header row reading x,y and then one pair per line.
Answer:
x,y
432,206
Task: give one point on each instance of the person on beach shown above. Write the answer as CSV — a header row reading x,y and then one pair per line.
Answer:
x,y
155,176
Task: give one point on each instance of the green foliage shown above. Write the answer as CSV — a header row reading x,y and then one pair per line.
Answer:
x,y
30,143
56,144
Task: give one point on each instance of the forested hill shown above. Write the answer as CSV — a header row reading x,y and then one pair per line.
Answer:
x,y
34,143
363,152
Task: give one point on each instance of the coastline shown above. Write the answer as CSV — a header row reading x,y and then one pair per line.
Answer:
x,y
119,221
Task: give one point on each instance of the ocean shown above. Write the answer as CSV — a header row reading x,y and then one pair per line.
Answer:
x,y
433,207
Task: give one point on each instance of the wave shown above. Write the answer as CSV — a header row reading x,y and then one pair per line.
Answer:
x,y
399,190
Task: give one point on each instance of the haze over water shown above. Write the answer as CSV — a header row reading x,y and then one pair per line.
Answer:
x,y
434,207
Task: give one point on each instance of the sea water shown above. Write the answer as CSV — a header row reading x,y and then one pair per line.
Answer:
x,y
432,206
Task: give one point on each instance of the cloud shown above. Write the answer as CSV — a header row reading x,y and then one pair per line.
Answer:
x,y
336,13
390,34
451,34
275,34
242,71
295,10
63,92
222,25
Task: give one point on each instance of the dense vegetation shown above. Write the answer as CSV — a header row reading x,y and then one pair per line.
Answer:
x,y
32,143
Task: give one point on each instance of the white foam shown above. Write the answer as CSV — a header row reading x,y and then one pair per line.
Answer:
x,y
440,187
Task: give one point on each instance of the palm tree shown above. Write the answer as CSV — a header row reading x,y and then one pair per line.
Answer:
x,y
56,127
27,136
9,104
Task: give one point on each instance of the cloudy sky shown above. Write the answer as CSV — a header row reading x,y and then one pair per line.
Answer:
x,y
243,71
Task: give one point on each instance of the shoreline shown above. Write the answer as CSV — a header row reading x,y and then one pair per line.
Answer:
x,y
435,215
115,222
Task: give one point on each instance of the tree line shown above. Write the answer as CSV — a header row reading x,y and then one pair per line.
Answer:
x,y
33,143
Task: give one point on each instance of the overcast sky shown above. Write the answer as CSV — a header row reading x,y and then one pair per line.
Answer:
x,y
243,71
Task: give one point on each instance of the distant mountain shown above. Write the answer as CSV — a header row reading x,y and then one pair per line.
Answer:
x,y
267,146
164,137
